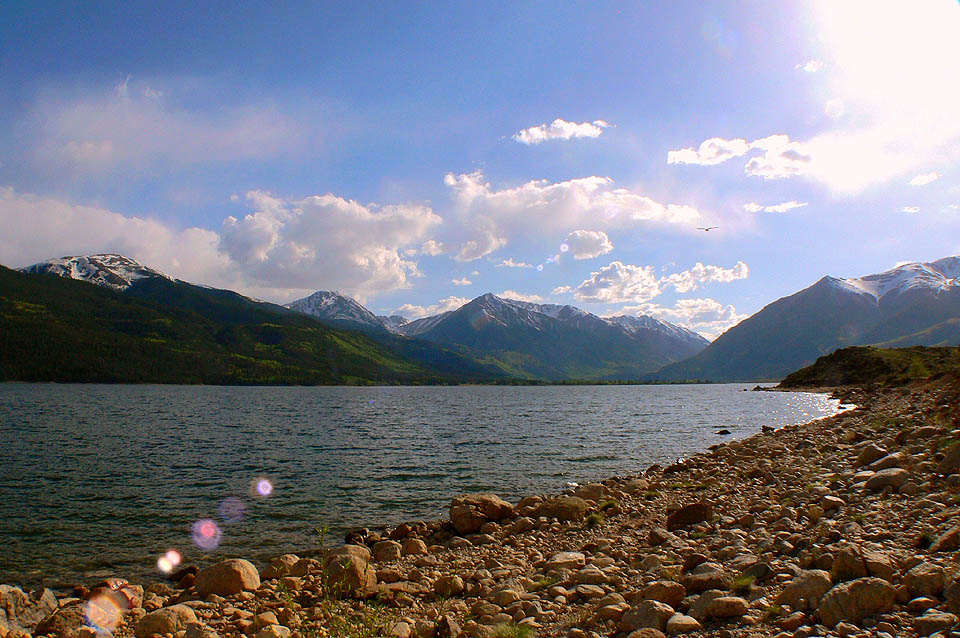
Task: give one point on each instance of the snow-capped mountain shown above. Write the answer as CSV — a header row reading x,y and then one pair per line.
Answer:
x,y
113,271
557,341
338,310
393,322
912,304
935,276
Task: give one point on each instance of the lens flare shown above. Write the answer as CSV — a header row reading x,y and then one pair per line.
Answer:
x,y
539,267
169,561
231,509
263,487
564,248
206,534
102,612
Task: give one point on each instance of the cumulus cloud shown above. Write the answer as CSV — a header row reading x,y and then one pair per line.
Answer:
x,y
924,178
411,311
561,290
587,244
698,275
715,150
432,248
619,283
810,66
510,263
560,130
282,249
708,317
326,240
784,207
625,283
520,296
541,206
461,282
780,157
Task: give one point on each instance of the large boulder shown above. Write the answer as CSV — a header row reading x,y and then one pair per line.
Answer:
x,y
925,579
690,515
563,508
948,541
469,512
855,600
892,477
665,591
279,567
951,460
349,576
64,622
168,620
647,614
20,610
805,590
227,577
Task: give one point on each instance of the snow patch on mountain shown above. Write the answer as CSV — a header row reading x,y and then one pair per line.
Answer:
x,y
109,270
937,275
331,305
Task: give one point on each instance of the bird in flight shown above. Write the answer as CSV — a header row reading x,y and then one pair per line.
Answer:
x,y
707,229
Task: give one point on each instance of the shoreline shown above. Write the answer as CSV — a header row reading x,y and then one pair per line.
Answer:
x,y
771,507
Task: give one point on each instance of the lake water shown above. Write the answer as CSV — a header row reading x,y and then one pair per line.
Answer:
x,y
101,479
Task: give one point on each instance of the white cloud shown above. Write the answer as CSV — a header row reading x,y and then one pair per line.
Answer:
x,y
924,178
484,243
520,296
561,290
910,209
461,282
432,248
698,275
560,130
102,130
619,283
540,206
781,158
708,317
587,244
281,250
411,311
624,283
810,66
715,150
784,207
510,263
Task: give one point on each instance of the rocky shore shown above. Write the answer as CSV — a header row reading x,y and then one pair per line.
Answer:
x,y
846,526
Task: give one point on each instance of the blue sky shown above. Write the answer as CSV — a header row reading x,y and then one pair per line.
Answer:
x,y
416,155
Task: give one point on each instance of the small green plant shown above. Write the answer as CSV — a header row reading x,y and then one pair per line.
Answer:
x,y
698,535
650,495
608,504
543,583
593,519
742,584
924,541
858,518
772,612
513,630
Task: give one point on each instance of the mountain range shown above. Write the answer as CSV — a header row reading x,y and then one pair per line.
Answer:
x,y
329,337
910,305
542,341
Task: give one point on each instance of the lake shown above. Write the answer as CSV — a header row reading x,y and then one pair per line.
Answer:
x,y
103,479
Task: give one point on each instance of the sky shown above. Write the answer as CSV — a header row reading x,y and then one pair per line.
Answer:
x,y
418,155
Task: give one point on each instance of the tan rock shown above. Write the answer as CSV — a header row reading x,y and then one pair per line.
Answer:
x,y
348,575
891,477
168,620
386,551
565,560
273,631
647,614
925,579
450,585
279,567
563,508
20,610
690,515
681,624
951,460
414,547
869,454
469,512
855,600
805,590
949,541
665,591
727,607
933,621
227,577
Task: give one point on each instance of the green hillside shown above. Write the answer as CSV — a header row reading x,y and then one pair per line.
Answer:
x,y
55,329
863,365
